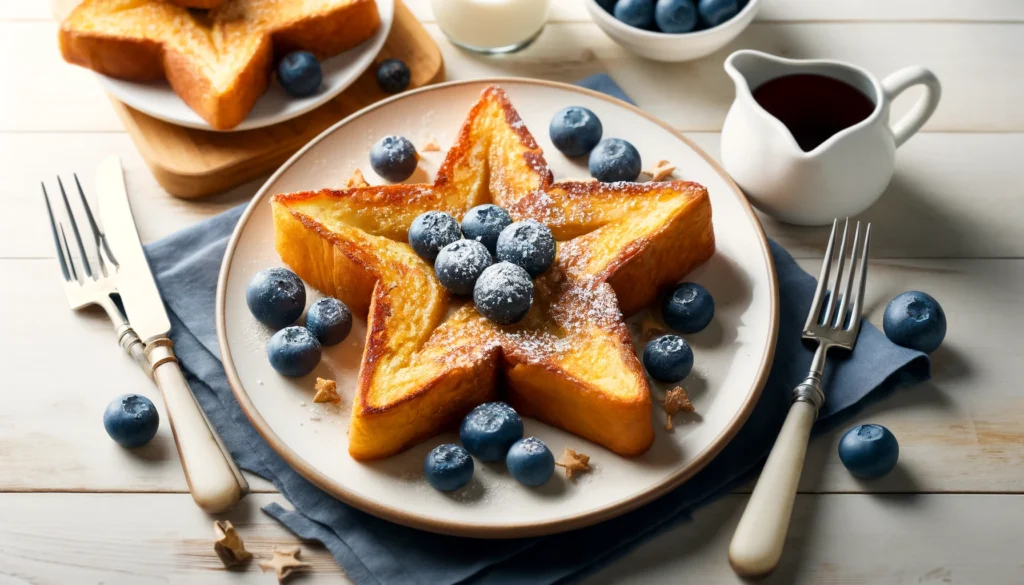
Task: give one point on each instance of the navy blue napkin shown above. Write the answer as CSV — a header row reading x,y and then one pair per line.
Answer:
x,y
374,551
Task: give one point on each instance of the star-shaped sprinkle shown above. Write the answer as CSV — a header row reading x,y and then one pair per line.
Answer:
x,y
618,244
283,563
431,146
573,462
661,171
356,180
676,401
228,544
326,391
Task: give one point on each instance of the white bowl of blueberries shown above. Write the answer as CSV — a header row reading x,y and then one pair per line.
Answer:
x,y
673,30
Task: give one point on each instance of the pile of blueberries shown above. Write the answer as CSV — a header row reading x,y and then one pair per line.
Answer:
x,y
300,74
276,297
491,432
673,16
462,257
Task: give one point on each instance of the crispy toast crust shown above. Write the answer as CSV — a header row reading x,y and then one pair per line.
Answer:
x,y
430,358
220,61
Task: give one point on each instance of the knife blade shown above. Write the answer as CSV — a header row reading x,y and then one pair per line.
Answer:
x,y
133,279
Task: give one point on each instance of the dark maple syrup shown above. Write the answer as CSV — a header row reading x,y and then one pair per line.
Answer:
x,y
813,107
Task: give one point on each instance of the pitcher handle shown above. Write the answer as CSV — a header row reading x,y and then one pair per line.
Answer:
x,y
896,83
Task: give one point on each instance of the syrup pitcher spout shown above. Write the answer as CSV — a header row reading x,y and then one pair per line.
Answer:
x,y
810,140
750,70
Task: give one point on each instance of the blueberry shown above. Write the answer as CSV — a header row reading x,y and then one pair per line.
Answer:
x,y
484,223
489,431
668,358
675,16
293,351
715,12
530,461
614,159
276,297
638,13
575,130
432,231
915,320
608,5
869,451
688,308
329,320
503,293
299,73
131,420
460,264
394,158
529,244
393,75
448,467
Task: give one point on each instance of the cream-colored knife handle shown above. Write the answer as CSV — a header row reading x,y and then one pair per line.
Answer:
x,y
213,478
757,544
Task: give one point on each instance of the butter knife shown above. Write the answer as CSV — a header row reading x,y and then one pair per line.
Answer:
x,y
213,478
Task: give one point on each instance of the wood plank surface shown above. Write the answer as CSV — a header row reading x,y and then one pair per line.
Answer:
x,y
847,540
56,539
948,224
979,94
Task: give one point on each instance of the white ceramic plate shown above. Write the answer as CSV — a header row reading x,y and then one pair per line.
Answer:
x,y
732,355
158,99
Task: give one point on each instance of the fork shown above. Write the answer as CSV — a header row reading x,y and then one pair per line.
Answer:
x,y
93,287
833,321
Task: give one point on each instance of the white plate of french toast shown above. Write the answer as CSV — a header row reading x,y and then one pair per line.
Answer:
x,y
216,64
498,308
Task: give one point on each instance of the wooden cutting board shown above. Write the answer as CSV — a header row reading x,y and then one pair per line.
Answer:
x,y
191,163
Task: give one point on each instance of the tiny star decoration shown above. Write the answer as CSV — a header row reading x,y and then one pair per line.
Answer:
x,y
573,462
431,146
356,180
326,391
228,544
284,563
676,401
661,171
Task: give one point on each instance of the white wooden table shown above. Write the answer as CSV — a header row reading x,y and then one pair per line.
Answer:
x,y
75,508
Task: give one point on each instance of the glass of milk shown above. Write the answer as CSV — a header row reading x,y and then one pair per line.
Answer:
x,y
491,26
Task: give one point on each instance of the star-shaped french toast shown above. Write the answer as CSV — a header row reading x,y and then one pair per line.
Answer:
x,y
219,61
430,358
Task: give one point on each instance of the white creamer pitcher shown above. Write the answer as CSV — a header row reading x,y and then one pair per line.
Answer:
x,y
843,175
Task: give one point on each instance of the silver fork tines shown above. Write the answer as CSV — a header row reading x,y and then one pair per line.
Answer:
x,y
74,230
834,319
96,287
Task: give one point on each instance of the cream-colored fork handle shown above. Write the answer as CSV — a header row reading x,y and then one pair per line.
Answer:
x,y
213,478
757,544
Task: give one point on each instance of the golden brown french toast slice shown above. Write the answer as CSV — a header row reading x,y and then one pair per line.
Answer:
x,y
570,362
218,61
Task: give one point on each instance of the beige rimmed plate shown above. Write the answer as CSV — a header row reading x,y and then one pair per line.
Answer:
x,y
732,355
